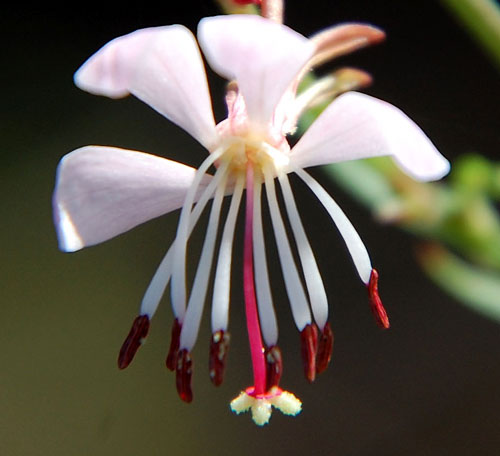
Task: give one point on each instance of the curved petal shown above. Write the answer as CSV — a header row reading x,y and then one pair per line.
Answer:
x,y
264,57
342,39
162,66
104,191
359,126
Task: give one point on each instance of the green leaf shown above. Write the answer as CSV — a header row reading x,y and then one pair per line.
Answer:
x,y
362,181
482,20
475,287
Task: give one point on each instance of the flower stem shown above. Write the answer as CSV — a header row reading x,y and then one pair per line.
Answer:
x,y
482,20
252,316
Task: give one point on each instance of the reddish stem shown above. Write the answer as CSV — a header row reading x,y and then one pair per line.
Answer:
x,y
252,316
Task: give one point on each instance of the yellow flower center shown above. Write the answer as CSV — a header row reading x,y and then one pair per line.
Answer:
x,y
241,150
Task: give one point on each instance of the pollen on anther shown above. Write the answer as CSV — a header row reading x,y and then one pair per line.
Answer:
x,y
274,366
184,373
219,347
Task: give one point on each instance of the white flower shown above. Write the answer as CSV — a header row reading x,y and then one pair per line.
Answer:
x,y
104,191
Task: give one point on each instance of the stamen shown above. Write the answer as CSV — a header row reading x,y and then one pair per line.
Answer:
x,y
184,373
219,346
134,340
293,284
273,9
178,288
376,305
309,343
253,326
274,364
279,160
325,348
222,282
326,88
162,275
267,314
173,351
314,282
354,243
232,91
191,323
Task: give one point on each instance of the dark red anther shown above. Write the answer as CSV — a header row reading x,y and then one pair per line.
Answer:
x,y
183,374
376,305
325,348
309,342
219,346
135,337
274,366
174,345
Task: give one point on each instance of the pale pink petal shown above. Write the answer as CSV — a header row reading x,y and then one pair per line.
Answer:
x,y
263,56
359,126
104,191
163,67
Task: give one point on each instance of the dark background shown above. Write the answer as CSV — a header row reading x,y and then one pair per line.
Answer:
x,y
428,386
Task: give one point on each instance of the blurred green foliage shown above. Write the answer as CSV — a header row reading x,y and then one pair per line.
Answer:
x,y
460,214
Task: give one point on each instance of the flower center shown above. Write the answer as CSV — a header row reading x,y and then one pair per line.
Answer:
x,y
242,151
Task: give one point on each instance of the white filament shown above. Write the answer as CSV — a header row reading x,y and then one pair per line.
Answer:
x,y
197,297
160,280
178,289
354,243
314,282
293,284
222,282
312,96
267,315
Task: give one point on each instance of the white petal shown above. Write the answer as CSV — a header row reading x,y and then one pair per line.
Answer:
x,y
359,126
104,191
263,56
162,66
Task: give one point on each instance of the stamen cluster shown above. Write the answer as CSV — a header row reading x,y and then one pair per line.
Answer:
x,y
249,165
103,191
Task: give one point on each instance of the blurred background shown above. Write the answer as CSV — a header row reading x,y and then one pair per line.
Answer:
x,y
427,386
